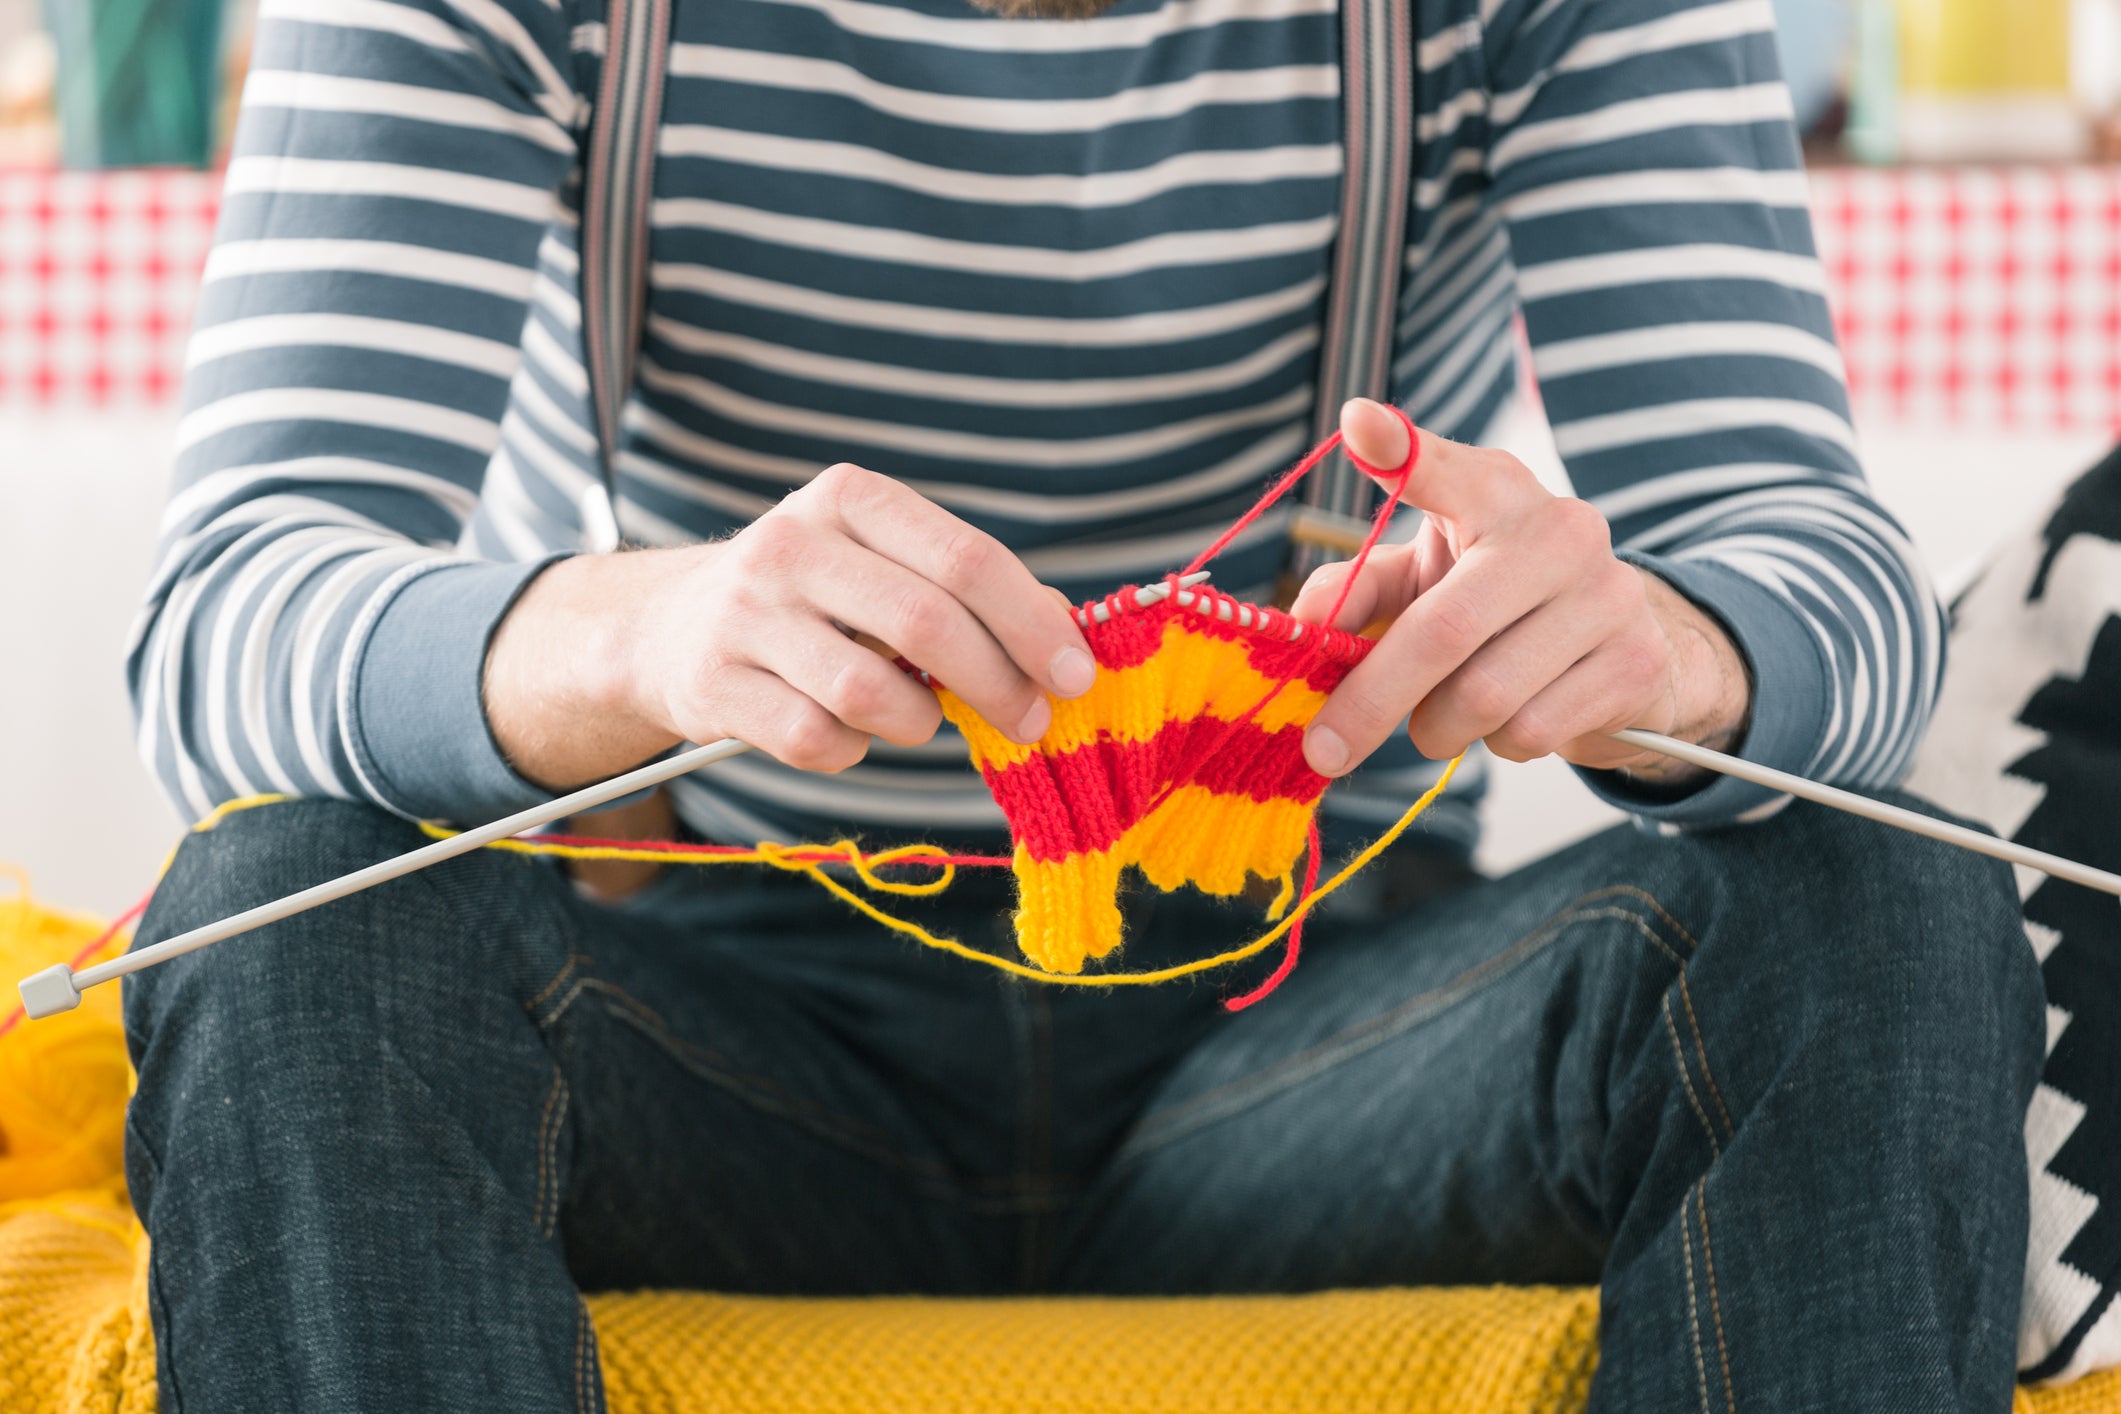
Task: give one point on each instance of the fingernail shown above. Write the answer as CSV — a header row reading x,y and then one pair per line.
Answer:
x,y
1072,672
1326,752
1035,721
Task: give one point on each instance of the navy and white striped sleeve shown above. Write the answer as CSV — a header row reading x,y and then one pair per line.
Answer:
x,y
394,172
1644,158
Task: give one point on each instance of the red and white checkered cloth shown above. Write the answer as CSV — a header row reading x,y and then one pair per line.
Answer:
x,y
1977,297
1969,298
98,275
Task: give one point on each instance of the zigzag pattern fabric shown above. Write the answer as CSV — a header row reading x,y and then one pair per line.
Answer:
x,y
1184,760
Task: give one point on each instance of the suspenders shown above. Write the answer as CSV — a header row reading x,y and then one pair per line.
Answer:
x,y
618,177
1362,295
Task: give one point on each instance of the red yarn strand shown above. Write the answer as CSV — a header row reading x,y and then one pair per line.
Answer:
x,y
1296,930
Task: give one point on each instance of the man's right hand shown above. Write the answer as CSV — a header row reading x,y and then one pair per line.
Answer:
x,y
606,660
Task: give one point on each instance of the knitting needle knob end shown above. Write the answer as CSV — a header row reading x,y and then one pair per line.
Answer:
x,y
49,992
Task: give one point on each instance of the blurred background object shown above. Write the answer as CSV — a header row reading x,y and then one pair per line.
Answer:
x,y
1813,37
29,76
139,81
1986,82
1940,81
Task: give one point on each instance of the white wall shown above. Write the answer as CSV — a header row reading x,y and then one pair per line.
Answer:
x,y
80,494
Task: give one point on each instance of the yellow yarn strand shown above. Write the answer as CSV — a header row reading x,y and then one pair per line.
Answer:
x,y
785,857
777,855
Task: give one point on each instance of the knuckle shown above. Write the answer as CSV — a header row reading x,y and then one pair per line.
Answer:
x,y
1363,711
1509,747
1454,627
913,727
1640,658
1484,698
1622,589
815,740
1580,525
1526,737
705,683
963,558
768,544
859,692
840,484
1431,742
920,620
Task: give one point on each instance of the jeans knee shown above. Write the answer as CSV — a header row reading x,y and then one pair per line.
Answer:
x,y
481,922
1913,950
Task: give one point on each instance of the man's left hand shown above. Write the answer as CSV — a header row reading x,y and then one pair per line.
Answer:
x,y
1511,622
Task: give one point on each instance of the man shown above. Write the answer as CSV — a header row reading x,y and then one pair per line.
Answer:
x,y
946,311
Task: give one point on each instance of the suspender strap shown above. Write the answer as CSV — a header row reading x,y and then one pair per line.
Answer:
x,y
617,180
1362,302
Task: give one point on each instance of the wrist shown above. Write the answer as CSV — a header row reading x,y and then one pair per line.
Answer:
x,y
563,689
1709,696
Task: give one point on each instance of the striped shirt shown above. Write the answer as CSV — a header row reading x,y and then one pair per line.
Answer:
x,y
1065,278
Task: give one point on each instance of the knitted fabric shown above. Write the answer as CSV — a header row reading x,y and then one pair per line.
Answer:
x,y
1185,759
75,1338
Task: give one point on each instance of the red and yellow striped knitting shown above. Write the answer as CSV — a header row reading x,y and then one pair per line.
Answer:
x,y
1185,759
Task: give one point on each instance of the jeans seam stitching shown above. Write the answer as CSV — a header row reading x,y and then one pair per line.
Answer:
x,y
1708,1258
537,1197
566,1002
1701,1049
550,1127
157,1300
1363,1036
581,1322
1693,1304
848,1133
573,960
1693,945
1671,1029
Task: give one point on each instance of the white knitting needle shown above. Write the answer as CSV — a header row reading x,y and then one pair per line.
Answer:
x,y
58,988
1799,786
2060,868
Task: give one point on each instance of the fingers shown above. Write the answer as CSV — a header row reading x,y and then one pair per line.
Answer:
x,y
1382,591
1483,595
754,705
858,686
1476,486
1524,691
855,586
1572,715
1039,635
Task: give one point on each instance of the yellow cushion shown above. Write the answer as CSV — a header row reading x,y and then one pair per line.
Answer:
x,y
74,1335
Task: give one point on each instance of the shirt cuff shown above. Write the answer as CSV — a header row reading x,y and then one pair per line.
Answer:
x,y
1791,689
416,710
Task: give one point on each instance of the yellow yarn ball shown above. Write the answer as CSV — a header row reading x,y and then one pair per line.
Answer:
x,y
64,1081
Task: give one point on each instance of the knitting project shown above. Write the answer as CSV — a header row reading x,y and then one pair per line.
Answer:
x,y
1185,759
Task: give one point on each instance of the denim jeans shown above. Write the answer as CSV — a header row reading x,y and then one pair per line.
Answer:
x,y
1767,1085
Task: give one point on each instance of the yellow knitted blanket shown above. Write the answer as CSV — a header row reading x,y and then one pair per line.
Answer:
x,y
74,1336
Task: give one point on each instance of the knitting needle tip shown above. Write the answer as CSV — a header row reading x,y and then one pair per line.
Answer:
x,y
1101,612
49,992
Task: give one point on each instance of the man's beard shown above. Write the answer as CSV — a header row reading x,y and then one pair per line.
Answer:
x,y
1044,9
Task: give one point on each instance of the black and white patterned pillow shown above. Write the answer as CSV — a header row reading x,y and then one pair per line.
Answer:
x,y
2027,739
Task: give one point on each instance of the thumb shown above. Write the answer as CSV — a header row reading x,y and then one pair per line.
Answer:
x,y
1374,433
